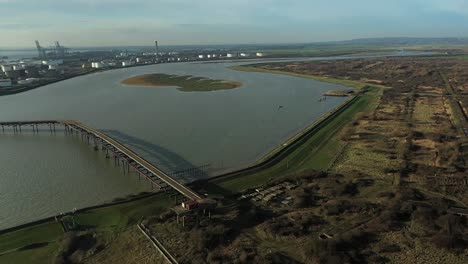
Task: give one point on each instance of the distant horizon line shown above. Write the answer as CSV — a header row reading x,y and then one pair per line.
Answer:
x,y
32,47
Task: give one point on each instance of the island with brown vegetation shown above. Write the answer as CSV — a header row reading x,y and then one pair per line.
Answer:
x,y
185,83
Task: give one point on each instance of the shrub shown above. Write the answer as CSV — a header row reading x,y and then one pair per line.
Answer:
x,y
449,241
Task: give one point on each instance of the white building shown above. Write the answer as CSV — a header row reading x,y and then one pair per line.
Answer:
x,y
6,68
259,54
97,65
126,63
201,56
229,55
53,62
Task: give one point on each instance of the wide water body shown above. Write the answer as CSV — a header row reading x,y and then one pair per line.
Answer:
x,y
42,175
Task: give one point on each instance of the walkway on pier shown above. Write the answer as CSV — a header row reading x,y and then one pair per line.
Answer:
x,y
120,152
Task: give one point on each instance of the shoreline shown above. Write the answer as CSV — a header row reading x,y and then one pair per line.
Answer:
x,y
12,91
49,219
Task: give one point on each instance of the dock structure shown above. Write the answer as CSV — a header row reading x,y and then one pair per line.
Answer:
x,y
122,155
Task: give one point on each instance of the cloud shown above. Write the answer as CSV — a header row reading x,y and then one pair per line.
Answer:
x,y
189,21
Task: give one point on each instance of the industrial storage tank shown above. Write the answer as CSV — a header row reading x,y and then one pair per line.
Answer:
x,y
6,68
126,63
259,54
97,65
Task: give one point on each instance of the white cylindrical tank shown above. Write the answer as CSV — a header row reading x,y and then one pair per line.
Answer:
x,y
259,54
96,65
229,55
208,56
201,56
6,68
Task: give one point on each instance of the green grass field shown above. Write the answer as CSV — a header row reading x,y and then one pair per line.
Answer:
x,y
185,83
106,221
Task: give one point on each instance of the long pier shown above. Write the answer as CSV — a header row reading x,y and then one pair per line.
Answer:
x,y
120,153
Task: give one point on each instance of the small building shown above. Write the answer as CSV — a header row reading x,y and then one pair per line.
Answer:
x,y
201,56
126,63
230,55
259,54
190,205
97,65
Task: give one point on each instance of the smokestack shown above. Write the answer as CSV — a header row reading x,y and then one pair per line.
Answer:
x,y
156,51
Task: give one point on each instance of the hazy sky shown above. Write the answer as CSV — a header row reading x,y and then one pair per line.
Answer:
x,y
140,22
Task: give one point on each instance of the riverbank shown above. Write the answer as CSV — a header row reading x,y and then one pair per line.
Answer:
x,y
184,83
11,91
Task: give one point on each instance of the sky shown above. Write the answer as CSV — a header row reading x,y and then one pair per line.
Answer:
x,y
90,23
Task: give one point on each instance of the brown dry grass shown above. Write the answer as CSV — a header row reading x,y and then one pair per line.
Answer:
x,y
129,247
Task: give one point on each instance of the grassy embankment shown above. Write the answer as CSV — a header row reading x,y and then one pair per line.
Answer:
x,y
185,83
106,222
317,153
